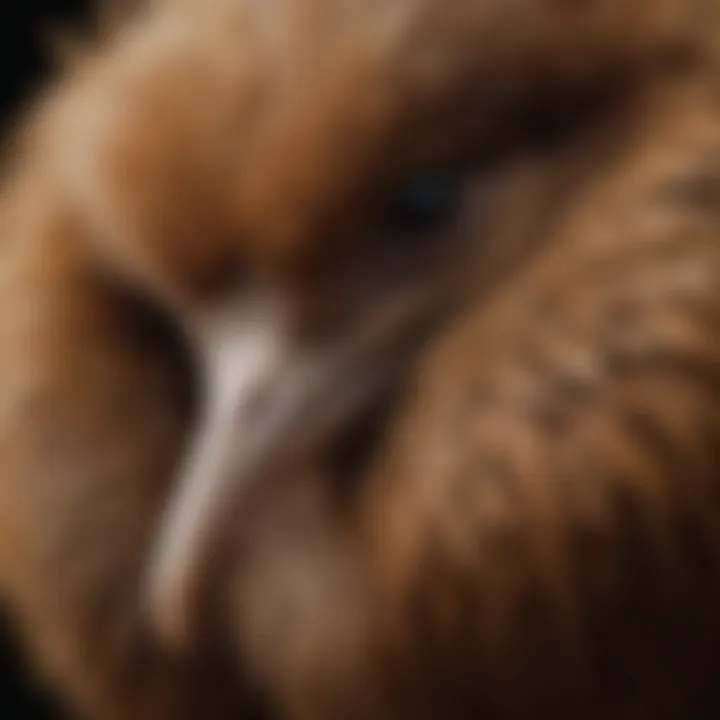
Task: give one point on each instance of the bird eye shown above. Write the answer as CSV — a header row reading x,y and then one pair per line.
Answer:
x,y
423,205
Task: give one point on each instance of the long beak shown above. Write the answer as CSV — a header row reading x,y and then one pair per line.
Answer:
x,y
303,401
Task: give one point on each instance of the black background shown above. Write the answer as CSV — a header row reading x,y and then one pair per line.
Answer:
x,y
24,27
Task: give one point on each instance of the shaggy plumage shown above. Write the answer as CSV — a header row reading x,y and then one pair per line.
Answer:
x,y
519,519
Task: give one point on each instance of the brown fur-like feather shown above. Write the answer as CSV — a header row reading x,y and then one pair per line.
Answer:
x,y
532,528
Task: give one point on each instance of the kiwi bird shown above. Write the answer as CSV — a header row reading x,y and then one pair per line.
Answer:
x,y
359,360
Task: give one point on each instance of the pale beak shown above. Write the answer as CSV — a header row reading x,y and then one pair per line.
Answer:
x,y
267,407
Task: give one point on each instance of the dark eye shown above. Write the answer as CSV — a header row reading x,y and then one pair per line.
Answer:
x,y
423,205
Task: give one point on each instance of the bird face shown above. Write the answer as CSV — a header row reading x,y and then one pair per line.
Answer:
x,y
268,195
285,179
306,189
